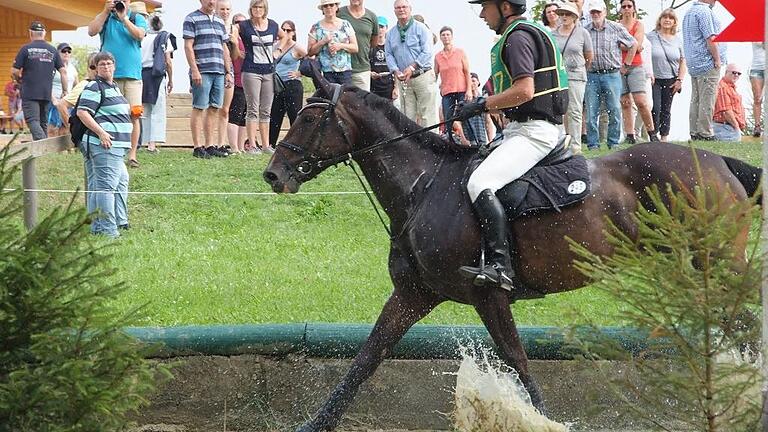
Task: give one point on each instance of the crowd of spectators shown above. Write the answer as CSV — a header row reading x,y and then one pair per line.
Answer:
x,y
245,77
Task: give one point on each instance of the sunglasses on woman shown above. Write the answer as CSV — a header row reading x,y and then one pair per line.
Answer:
x,y
66,51
288,30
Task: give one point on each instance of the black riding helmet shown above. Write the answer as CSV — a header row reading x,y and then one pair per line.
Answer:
x,y
520,4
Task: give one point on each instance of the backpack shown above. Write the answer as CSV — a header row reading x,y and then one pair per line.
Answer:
x,y
77,128
158,57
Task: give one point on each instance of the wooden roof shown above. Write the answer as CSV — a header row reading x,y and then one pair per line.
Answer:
x,y
62,15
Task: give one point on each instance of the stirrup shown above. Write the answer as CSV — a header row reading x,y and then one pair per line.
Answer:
x,y
487,276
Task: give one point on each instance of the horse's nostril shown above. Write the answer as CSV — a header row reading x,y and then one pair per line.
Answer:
x,y
270,177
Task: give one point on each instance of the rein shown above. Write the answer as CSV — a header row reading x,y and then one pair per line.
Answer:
x,y
313,162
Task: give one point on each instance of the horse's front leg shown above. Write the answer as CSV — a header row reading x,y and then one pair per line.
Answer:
x,y
403,309
493,308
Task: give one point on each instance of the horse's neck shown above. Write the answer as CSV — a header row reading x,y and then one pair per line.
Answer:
x,y
398,172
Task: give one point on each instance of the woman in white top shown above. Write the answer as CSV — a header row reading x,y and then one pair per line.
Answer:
x,y
155,88
757,79
56,124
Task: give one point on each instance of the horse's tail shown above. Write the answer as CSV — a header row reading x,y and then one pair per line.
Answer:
x,y
749,176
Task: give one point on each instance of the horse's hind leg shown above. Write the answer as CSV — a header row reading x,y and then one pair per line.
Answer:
x,y
497,317
402,310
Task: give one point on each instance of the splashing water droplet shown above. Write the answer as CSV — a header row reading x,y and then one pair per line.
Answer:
x,y
490,399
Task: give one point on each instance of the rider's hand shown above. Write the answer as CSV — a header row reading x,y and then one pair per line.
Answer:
x,y
466,111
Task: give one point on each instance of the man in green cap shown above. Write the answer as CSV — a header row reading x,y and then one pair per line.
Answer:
x,y
530,89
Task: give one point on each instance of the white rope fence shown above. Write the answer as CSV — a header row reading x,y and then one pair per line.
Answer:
x,y
161,193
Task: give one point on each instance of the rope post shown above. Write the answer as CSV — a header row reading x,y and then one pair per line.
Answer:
x,y
29,183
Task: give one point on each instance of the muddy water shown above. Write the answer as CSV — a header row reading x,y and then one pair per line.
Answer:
x,y
489,398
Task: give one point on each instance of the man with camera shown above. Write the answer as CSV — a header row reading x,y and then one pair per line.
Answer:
x,y
121,32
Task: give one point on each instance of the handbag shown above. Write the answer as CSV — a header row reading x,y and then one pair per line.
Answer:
x,y
278,86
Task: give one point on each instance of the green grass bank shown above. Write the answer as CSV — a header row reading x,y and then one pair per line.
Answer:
x,y
229,258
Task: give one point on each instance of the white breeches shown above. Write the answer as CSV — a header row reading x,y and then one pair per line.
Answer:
x,y
523,146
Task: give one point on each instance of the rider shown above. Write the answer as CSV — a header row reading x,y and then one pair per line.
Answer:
x,y
530,88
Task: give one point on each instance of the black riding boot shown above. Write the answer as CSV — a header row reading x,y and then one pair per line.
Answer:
x,y
493,224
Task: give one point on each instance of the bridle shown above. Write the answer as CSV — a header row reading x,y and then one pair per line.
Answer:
x,y
311,161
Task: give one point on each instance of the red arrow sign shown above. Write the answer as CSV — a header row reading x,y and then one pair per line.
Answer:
x,y
748,24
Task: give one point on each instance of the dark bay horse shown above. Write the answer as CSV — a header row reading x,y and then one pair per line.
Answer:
x,y
419,183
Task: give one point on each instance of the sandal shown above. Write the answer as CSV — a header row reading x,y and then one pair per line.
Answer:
x,y
133,163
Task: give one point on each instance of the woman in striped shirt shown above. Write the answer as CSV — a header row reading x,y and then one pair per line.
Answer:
x,y
107,115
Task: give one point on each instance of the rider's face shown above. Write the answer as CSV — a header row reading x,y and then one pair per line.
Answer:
x,y
490,14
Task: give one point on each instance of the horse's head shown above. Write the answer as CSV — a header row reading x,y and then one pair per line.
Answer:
x,y
320,137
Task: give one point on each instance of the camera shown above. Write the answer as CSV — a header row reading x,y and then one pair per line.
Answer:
x,y
120,6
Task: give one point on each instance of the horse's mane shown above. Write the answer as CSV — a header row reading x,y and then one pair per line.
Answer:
x,y
384,108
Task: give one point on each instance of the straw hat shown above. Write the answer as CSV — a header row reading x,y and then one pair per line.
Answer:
x,y
567,7
327,2
139,7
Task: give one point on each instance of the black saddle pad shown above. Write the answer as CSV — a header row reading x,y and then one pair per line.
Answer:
x,y
547,188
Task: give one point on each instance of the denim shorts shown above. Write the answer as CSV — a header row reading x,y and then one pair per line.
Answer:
x,y
210,93
757,73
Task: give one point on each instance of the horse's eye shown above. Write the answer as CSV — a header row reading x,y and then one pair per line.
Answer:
x,y
309,119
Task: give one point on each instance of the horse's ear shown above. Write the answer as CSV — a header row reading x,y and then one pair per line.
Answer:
x,y
310,67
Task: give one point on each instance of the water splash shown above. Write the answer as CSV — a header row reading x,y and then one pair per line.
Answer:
x,y
491,399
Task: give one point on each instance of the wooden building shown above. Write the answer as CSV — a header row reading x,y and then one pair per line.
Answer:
x,y
16,15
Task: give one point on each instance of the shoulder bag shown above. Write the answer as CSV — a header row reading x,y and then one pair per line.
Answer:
x,y
676,73
277,83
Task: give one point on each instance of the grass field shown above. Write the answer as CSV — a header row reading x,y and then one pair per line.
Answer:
x,y
231,259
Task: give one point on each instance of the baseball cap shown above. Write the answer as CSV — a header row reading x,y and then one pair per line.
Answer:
x,y
37,26
597,5
383,21
62,45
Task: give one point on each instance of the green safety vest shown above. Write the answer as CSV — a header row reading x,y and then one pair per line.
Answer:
x,y
502,79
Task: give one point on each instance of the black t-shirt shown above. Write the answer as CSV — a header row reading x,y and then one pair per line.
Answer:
x,y
385,85
519,55
38,60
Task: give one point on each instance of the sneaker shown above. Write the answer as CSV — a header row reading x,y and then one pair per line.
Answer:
x,y
200,152
214,151
255,151
706,138
653,137
629,140
757,132
268,150
124,227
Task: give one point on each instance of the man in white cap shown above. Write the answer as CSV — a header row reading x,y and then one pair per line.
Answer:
x,y
33,68
604,75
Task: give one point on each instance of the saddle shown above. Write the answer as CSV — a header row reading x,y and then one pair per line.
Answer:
x,y
559,180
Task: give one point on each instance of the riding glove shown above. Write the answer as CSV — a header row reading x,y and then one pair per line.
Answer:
x,y
467,110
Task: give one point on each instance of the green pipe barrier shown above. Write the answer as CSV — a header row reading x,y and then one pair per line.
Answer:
x,y
345,340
